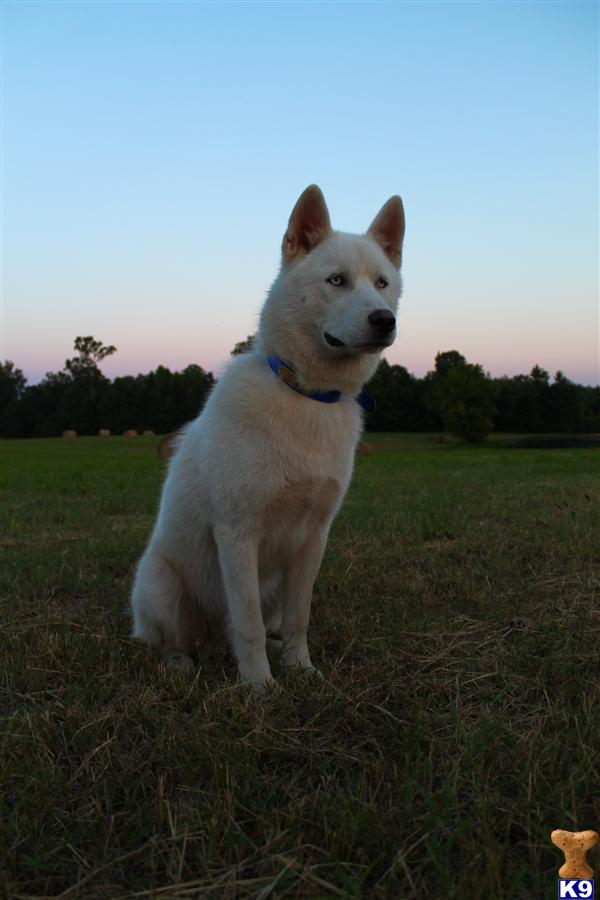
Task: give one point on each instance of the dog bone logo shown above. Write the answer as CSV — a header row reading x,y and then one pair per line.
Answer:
x,y
574,845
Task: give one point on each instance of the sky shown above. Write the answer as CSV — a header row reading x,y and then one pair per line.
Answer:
x,y
152,153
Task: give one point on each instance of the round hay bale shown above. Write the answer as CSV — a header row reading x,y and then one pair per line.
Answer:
x,y
438,438
148,433
365,449
166,445
69,434
130,433
104,432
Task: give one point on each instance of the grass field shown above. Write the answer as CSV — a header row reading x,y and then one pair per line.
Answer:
x,y
456,621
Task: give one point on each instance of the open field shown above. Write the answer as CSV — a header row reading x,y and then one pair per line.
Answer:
x,y
456,621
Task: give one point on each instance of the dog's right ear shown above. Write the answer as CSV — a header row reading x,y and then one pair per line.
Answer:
x,y
309,224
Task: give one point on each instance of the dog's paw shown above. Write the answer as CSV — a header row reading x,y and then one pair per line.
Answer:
x,y
261,691
303,670
315,673
176,661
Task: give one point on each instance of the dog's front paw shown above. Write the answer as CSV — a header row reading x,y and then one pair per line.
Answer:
x,y
261,690
314,673
176,661
303,669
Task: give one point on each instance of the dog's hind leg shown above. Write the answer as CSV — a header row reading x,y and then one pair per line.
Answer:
x,y
163,614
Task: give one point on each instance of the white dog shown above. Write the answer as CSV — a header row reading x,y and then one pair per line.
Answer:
x,y
258,477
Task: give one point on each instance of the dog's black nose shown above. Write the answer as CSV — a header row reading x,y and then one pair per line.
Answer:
x,y
383,320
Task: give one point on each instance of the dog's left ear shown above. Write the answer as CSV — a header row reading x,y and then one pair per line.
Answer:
x,y
387,228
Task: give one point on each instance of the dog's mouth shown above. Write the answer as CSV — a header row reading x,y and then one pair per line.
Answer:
x,y
333,341
371,347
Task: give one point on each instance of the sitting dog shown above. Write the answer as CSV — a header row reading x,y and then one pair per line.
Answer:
x,y
257,479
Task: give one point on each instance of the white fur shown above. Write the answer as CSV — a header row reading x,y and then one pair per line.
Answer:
x,y
258,477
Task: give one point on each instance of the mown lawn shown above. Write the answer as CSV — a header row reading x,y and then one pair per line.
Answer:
x,y
456,621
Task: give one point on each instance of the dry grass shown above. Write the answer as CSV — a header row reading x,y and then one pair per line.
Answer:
x,y
456,622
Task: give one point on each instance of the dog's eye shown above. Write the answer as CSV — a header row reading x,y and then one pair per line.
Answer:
x,y
336,280
382,283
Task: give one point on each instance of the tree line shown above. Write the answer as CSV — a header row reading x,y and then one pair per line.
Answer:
x,y
459,397
455,396
80,397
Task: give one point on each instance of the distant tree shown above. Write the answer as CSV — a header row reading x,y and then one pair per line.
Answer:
x,y
515,404
398,403
539,375
38,412
84,397
244,346
91,353
161,400
464,401
429,393
564,405
589,409
446,361
12,383
195,386
540,400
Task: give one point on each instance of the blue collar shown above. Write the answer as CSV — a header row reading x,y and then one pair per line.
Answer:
x,y
286,374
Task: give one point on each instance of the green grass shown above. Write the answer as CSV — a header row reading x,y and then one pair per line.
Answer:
x,y
456,622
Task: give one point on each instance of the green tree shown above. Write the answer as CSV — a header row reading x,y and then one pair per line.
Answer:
x,y
539,375
84,387
564,401
463,399
398,405
12,383
91,353
446,361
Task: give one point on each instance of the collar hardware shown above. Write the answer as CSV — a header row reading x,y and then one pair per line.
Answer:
x,y
286,374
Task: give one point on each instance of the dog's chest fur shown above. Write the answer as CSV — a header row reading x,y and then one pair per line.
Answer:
x,y
292,514
293,467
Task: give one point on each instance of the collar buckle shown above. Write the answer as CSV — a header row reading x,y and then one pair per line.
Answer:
x,y
286,374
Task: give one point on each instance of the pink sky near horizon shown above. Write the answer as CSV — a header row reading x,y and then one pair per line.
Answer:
x,y
415,349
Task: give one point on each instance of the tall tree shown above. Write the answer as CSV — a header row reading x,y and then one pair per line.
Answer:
x,y
83,398
446,361
12,383
91,353
464,401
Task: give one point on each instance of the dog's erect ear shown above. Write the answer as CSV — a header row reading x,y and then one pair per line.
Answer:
x,y
387,228
309,224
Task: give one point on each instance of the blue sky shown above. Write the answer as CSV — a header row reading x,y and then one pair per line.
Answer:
x,y
152,152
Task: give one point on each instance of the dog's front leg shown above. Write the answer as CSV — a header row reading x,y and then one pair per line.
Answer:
x,y
238,559
301,574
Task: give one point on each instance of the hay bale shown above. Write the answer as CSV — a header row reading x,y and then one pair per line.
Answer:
x,y
69,434
365,449
104,432
148,433
130,433
166,445
438,438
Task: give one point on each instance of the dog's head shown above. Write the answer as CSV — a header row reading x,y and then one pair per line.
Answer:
x,y
351,282
333,305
